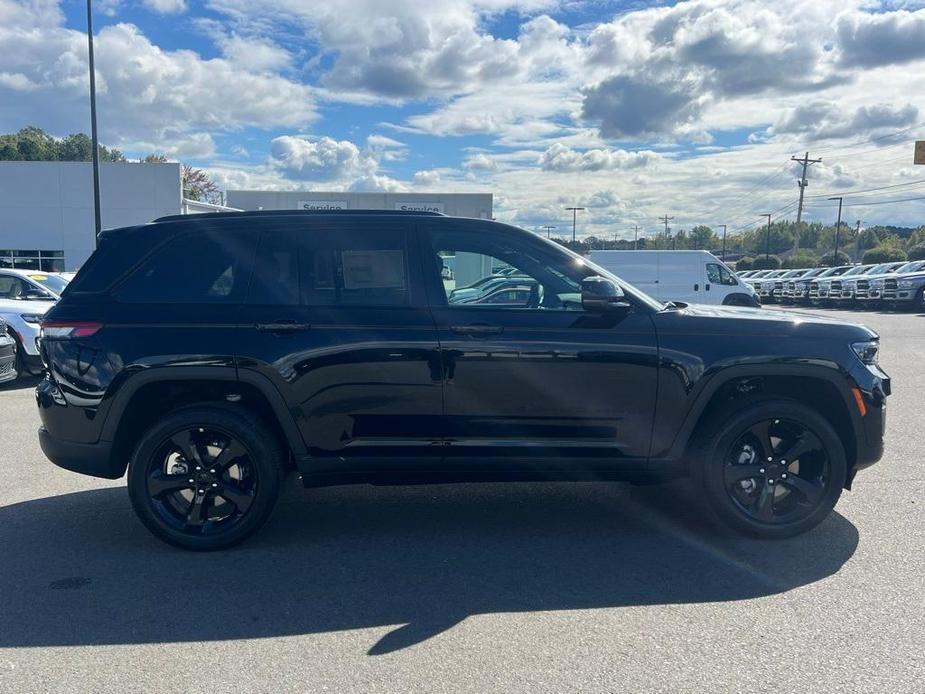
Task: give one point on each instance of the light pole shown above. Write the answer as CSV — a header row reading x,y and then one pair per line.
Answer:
x,y
724,240
767,240
857,236
94,140
574,211
837,229
548,228
636,238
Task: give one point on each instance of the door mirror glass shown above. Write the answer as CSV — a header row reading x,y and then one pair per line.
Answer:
x,y
600,295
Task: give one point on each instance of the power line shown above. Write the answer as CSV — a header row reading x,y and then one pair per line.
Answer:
x,y
914,184
877,139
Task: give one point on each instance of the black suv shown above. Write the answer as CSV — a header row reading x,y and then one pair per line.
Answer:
x,y
211,354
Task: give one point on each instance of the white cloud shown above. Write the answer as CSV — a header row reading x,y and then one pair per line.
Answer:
x,y
480,162
145,93
257,55
562,158
427,178
166,6
320,158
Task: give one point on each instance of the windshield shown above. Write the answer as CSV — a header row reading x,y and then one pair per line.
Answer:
x,y
53,283
859,270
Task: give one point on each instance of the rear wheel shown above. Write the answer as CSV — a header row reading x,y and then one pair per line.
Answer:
x,y
205,478
772,470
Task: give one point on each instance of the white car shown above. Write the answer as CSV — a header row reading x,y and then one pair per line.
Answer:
x,y
25,296
695,277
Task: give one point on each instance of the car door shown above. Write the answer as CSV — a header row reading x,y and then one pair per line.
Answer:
x,y
336,318
540,384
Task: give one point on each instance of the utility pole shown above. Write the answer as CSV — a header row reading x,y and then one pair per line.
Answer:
x,y
857,238
767,239
724,240
548,228
805,161
93,133
636,239
665,219
574,211
837,230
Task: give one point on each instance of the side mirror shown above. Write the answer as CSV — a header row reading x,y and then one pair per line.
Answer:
x,y
600,295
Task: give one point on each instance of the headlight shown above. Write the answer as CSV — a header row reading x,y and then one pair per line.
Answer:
x,y
904,284
867,351
33,318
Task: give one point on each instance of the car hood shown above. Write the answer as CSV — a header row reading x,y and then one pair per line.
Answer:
x,y
917,275
19,307
756,321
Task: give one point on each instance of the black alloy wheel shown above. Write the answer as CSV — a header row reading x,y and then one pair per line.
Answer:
x,y
206,477
777,471
201,481
772,468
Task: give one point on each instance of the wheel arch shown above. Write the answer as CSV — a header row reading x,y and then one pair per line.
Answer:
x,y
825,390
147,396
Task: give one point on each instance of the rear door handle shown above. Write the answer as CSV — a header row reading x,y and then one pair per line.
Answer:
x,y
476,330
707,286
696,286
282,326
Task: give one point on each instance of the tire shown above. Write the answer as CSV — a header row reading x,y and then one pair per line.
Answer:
x,y
918,304
239,484
804,490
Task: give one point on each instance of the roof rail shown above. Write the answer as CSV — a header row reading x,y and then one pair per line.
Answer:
x,y
297,213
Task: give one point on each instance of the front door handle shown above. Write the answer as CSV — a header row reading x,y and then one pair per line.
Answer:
x,y
707,286
696,286
282,326
476,330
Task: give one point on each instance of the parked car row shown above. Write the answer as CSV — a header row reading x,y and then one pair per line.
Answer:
x,y
888,285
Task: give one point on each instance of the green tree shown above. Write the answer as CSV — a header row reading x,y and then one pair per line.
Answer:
x,y
34,144
884,253
771,262
702,238
801,260
829,259
745,263
917,252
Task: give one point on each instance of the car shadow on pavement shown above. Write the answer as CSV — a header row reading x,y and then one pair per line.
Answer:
x,y
79,569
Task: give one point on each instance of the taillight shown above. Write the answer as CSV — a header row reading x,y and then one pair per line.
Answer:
x,y
66,330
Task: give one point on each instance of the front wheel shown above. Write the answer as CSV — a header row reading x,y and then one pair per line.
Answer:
x,y
205,477
772,470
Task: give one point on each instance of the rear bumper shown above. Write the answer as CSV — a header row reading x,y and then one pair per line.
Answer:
x,y
94,459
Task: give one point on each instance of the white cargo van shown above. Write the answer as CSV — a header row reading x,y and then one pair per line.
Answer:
x,y
694,277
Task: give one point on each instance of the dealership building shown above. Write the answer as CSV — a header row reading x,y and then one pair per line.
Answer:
x,y
46,208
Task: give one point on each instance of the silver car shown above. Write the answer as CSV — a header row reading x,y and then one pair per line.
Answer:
x,y
25,296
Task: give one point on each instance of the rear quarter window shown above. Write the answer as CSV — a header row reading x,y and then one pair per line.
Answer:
x,y
206,267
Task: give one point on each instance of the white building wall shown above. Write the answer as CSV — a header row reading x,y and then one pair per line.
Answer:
x,y
49,205
478,205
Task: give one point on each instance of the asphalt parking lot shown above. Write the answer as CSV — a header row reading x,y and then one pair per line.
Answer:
x,y
504,587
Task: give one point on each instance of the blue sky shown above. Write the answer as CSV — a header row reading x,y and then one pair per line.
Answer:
x,y
632,109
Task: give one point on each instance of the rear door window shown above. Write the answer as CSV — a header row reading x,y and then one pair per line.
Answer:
x,y
355,267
